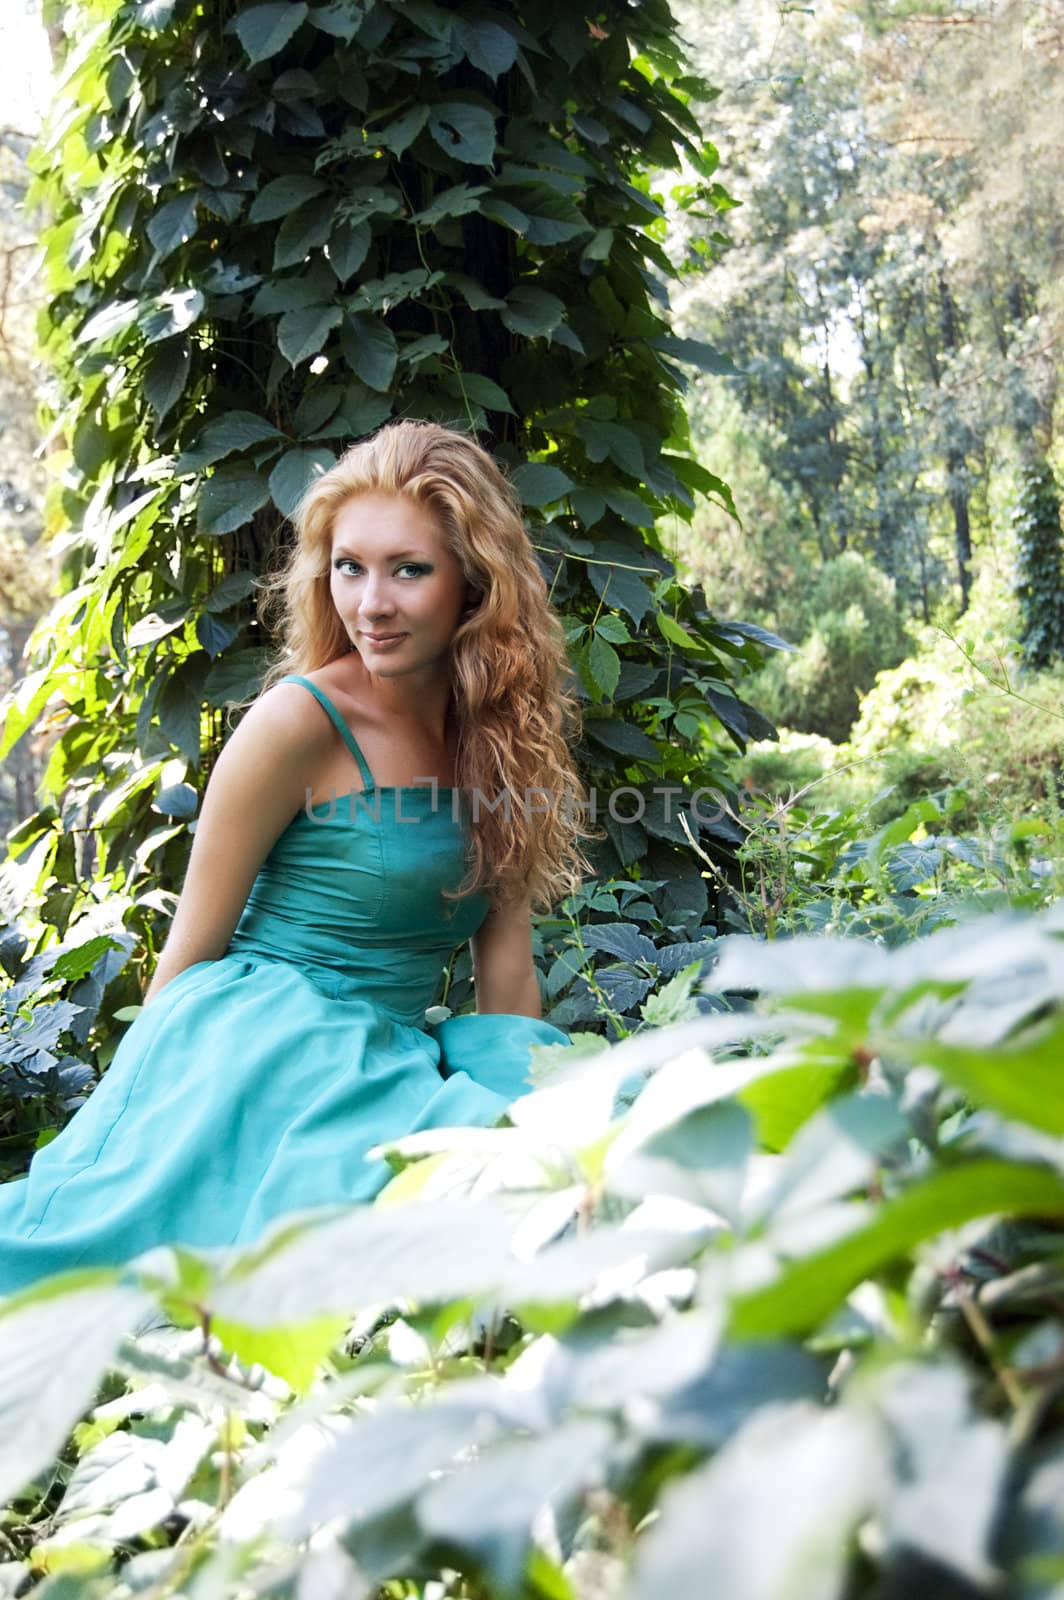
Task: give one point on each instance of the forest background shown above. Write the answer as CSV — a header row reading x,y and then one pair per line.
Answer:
x,y
888,289
843,432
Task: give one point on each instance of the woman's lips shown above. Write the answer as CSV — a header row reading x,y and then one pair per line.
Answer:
x,y
382,641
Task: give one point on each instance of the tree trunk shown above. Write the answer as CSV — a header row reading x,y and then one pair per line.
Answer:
x,y
956,462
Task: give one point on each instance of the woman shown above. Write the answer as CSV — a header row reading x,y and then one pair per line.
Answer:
x,y
414,724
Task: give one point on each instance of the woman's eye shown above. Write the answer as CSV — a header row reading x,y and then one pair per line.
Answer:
x,y
407,566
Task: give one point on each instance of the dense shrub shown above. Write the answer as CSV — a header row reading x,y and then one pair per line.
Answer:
x,y
851,630
784,766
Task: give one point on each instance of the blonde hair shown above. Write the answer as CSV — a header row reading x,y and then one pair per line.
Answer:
x,y
516,719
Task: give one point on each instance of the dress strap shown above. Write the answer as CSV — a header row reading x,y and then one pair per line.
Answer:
x,y
341,726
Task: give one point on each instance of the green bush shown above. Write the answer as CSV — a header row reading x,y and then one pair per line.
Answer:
x,y
853,632
784,767
1000,737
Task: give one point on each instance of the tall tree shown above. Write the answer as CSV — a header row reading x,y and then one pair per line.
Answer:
x,y
892,294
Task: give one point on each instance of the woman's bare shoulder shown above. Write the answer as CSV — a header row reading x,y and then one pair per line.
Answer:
x,y
286,715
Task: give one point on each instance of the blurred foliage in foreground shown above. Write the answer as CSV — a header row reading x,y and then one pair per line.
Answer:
x,y
794,1266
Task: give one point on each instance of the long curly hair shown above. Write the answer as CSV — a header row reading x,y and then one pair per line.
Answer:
x,y
516,719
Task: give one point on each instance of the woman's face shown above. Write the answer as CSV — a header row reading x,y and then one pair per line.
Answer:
x,y
392,574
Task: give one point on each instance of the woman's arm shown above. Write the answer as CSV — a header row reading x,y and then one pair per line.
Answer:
x,y
257,786
503,972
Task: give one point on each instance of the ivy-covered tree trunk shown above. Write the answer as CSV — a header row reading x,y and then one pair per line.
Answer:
x,y
1039,568
273,227
957,442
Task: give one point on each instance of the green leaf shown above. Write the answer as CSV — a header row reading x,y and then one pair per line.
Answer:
x,y
551,218
605,664
293,474
623,738
74,964
613,439
590,128
303,232
369,1256
413,351
397,136
178,708
612,578
174,223
213,634
235,677
823,1467
532,311
464,131
318,404
481,390
612,627
491,1504
599,247
487,45
808,1291
369,345
348,248
630,508
382,1460
179,800
234,587
360,413
1022,1082
314,287
114,318
293,1353
56,1341
341,20
237,430
539,484
697,353
172,312
670,629
589,506
941,1438
457,201
283,195
473,293
497,210
166,375
782,1101
381,294
263,30
302,333
229,499
157,625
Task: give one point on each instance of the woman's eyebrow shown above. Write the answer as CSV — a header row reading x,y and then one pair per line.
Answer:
x,y
345,550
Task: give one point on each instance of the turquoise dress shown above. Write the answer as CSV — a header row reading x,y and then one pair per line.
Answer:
x,y
253,1085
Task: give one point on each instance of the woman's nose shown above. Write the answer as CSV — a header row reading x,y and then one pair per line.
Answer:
x,y
376,600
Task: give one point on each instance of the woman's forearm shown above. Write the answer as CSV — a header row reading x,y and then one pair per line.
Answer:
x,y
170,963
517,997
